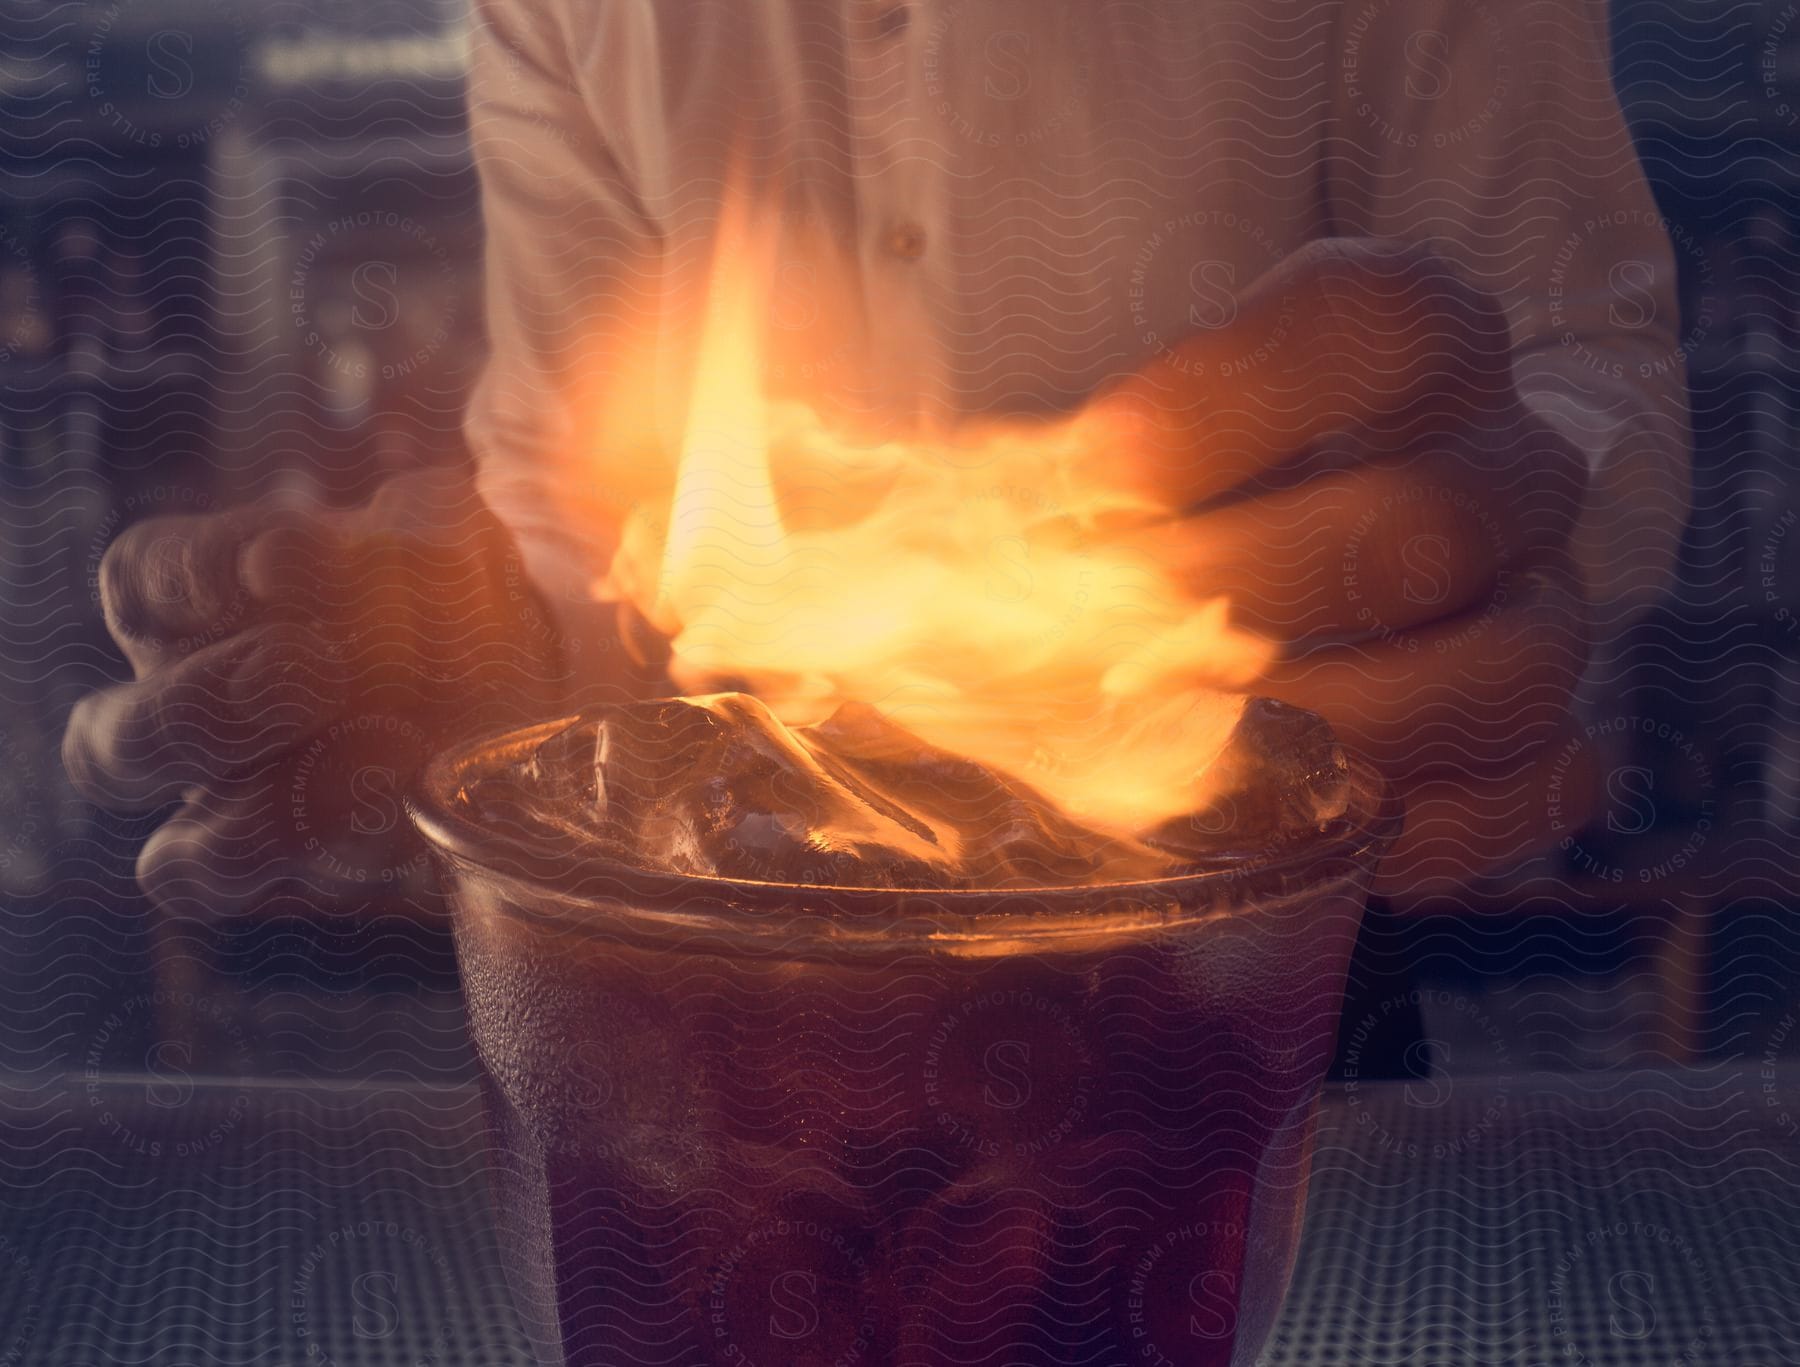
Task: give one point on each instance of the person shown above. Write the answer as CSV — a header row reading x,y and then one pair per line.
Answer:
x,y
1372,291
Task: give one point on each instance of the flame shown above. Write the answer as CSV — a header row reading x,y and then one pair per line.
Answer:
x,y
967,585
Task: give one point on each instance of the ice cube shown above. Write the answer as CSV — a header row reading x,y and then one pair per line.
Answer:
x,y
718,786
1003,832
552,785
1281,776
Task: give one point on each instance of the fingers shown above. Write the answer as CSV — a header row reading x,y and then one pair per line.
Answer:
x,y
336,564
327,817
279,657
298,564
1355,555
1382,548
216,855
423,587
170,586
1469,717
250,631
1348,333
223,709
1467,694
353,582
1462,825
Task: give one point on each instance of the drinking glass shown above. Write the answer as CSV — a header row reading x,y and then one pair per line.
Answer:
x,y
773,1125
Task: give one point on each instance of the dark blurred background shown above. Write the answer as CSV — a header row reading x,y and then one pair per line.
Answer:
x,y
239,253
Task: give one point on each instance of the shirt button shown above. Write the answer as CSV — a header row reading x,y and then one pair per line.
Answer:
x,y
905,240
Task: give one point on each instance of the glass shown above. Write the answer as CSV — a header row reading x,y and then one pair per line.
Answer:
x,y
777,1126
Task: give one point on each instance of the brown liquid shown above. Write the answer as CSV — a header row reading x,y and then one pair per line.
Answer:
x,y
1092,1155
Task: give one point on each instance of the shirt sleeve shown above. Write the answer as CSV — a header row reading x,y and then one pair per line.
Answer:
x,y
1492,128
570,271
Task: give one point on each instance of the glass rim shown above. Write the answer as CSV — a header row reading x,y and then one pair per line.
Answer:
x,y
546,870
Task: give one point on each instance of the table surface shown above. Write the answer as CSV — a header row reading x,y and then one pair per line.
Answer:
x,y
1612,1219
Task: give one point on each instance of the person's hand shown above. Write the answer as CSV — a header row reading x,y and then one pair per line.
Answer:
x,y
293,669
1350,462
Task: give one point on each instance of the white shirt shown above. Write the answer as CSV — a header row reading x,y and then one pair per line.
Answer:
x,y
1037,196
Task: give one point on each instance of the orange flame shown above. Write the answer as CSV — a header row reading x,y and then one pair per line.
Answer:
x,y
973,598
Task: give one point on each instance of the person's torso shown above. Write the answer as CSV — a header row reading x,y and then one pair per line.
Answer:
x,y
1029,196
